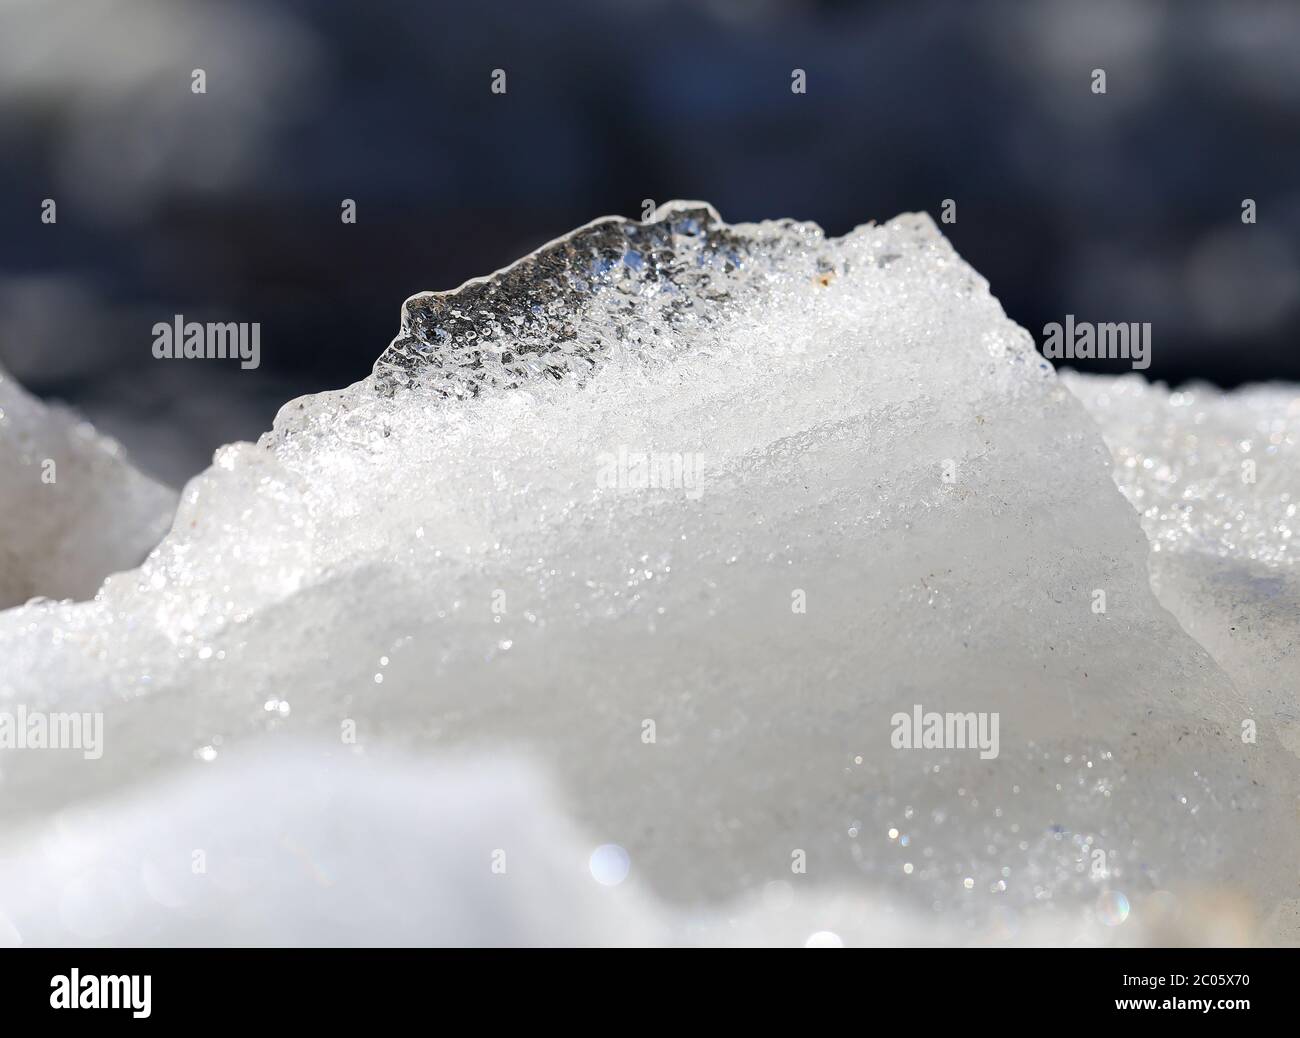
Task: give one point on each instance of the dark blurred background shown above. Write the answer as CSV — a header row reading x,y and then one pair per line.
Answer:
x,y
226,205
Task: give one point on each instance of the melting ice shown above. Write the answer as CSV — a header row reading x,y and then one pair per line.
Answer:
x,y
413,641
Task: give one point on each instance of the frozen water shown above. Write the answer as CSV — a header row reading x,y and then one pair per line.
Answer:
x,y
291,844
72,509
1216,479
1211,473
867,492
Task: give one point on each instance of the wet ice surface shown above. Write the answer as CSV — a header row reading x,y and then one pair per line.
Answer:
x,y
72,509
454,559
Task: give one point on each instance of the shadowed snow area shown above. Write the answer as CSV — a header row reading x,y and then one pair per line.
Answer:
x,y
72,509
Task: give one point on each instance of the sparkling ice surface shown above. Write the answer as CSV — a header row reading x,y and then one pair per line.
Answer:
x,y
892,500
1216,479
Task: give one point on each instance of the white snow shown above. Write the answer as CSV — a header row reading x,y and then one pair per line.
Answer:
x,y
72,509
